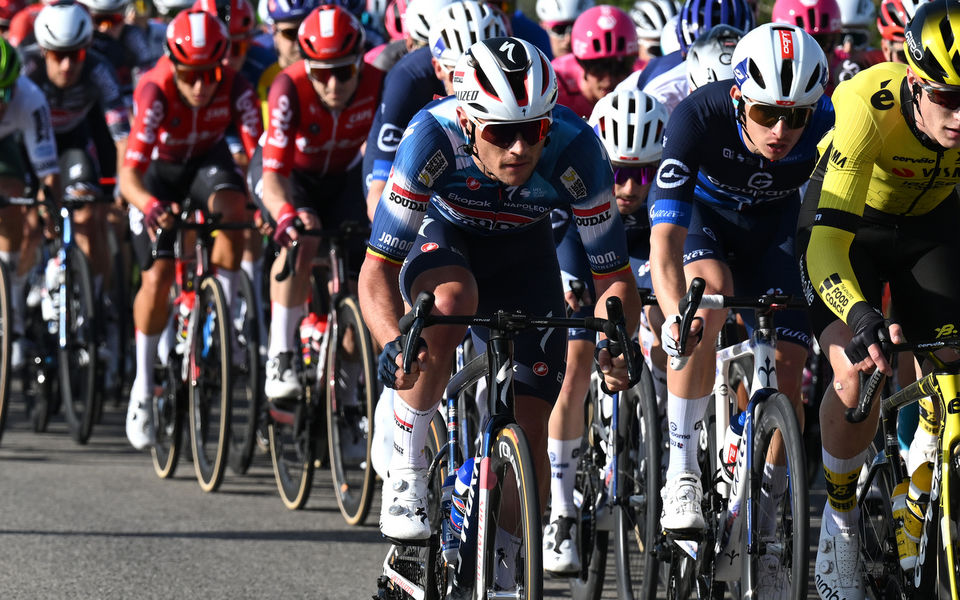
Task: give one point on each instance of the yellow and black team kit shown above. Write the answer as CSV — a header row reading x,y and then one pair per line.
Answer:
x,y
882,206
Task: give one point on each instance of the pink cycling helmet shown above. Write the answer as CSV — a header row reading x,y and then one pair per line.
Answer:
x,y
604,32
393,19
813,16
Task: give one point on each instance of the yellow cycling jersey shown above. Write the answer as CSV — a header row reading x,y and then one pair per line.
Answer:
x,y
263,89
874,157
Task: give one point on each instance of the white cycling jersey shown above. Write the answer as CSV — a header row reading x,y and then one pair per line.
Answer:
x,y
29,114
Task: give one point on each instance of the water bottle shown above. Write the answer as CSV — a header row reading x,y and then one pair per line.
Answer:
x,y
449,535
918,496
906,548
185,301
463,518
738,487
731,446
307,327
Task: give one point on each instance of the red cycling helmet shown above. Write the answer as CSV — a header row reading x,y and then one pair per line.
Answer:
x,y
330,34
196,39
604,32
236,14
8,8
813,16
393,19
893,18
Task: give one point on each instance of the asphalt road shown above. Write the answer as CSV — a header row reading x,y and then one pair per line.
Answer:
x,y
94,521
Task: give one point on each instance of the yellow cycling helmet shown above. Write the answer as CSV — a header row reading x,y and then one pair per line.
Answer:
x,y
933,42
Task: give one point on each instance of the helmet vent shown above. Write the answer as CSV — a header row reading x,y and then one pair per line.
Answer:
x,y
755,73
814,78
518,86
786,77
946,32
544,68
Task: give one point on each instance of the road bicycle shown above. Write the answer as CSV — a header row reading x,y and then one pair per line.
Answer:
x,y
338,378
937,573
747,536
502,481
195,369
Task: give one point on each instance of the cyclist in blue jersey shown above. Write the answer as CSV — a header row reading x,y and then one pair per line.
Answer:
x,y
466,216
665,77
630,124
724,207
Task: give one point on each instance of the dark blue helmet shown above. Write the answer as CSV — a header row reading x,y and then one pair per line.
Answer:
x,y
354,7
289,10
699,16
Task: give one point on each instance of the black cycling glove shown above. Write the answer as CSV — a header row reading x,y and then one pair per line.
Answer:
x,y
387,363
868,328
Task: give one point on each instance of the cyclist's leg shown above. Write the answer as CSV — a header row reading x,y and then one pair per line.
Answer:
x,y
80,176
14,230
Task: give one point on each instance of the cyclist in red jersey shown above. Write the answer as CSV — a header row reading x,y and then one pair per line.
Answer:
x,y
321,109
177,152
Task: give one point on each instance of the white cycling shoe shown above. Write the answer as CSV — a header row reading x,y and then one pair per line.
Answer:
x,y
560,555
682,496
140,428
403,512
838,573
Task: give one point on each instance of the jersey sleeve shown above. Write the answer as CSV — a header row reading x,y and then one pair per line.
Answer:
x,y
407,193
852,151
246,114
111,100
283,109
587,179
37,130
149,113
671,197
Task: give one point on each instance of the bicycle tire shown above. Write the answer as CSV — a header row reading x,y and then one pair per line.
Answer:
x,y
932,574
6,342
210,384
78,358
511,460
878,546
247,380
592,542
169,414
349,412
792,518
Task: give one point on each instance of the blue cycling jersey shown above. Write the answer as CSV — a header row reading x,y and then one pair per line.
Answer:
x,y
433,167
409,86
723,172
527,29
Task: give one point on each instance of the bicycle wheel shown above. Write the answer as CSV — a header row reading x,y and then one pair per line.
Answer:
x,y
593,542
247,382
779,530
168,414
878,535
6,339
351,380
211,384
77,352
515,483
637,525
933,572
293,429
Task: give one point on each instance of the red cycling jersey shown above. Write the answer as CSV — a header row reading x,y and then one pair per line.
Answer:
x,y
569,75
303,134
166,128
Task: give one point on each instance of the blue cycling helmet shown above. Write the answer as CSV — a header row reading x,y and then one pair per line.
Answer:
x,y
699,16
289,10
354,7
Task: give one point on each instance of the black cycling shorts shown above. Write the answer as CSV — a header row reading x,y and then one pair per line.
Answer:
x,y
917,256
514,271
196,180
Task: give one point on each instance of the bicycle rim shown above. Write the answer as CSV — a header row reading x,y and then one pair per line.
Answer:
x,y
593,543
783,540
210,385
351,395
878,541
168,414
519,570
6,340
78,362
638,520
292,446
247,383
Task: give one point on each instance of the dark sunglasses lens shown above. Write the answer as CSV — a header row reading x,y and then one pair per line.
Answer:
x,y
948,100
503,134
766,115
561,29
74,55
605,66
205,76
289,34
642,175
342,74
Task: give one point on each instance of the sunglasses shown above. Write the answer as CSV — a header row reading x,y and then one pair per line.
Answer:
x,y
342,73
106,19
608,66
502,135
205,76
642,174
767,115
288,33
949,98
78,55
239,47
560,29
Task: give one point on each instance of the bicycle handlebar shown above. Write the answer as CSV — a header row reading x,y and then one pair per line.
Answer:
x,y
347,229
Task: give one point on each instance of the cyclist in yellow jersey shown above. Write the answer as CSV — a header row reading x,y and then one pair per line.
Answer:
x,y
882,206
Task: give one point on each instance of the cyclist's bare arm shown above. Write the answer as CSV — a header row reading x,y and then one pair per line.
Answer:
x,y
373,197
623,285
666,271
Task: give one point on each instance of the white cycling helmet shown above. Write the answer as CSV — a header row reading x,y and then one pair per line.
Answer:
x,y
651,16
630,124
669,42
561,11
780,64
505,79
710,58
419,15
461,25
170,8
63,27
105,6
858,14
